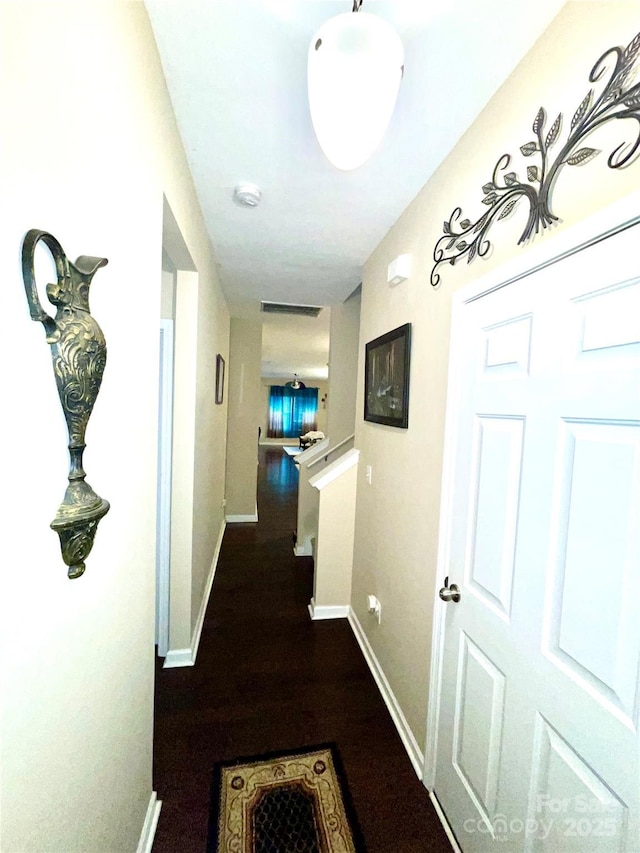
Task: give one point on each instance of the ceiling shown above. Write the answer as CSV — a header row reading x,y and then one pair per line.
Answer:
x,y
236,72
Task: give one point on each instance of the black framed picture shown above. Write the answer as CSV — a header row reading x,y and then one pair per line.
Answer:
x,y
386,378
219,378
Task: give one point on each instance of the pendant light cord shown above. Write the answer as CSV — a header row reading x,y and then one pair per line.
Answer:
x,y
356,5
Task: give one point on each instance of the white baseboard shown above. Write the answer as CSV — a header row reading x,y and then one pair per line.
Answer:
x,y
304,550
239,519
406,735
150,823
187,657
445,823
178,657
328,611
197,630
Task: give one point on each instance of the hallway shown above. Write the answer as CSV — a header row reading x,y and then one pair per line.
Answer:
x,y
268,678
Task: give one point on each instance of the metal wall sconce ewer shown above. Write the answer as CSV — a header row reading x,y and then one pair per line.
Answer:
x,y
618,98
79,355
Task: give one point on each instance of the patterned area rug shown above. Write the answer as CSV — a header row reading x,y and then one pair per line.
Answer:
x,y
293,802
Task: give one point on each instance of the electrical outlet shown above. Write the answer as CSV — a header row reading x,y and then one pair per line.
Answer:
x,y
369,474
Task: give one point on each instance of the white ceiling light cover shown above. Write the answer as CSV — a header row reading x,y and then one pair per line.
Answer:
x,y
354,70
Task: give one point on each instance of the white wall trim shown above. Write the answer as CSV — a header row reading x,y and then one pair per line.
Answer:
x,y
178,657
187,657
445,823
165,455
595,228
197,628
312,452
242,519
184,457
150,824
328,611
335,469
444,549
393,706
331,451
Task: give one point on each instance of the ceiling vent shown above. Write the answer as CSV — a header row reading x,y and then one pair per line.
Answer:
x,y
288,308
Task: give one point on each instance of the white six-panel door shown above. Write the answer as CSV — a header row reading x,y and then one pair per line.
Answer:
x,y
538,744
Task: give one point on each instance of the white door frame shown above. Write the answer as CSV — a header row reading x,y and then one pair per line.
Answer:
x,y
617,217
163,532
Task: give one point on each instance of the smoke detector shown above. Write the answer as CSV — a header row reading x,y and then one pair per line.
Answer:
x,y
247,195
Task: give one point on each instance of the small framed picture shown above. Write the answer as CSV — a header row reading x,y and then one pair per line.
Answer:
x,y
386,378
219,378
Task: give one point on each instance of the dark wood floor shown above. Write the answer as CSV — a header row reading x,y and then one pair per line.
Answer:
x,y
267,678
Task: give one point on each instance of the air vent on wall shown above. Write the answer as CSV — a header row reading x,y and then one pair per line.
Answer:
x,y
288,308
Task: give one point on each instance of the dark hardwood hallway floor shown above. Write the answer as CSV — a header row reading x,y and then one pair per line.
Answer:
x,y
268,678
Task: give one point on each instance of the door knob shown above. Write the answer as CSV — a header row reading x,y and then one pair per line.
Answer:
x,y
449,593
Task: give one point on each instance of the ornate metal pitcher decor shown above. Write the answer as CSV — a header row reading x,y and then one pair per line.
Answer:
x,y
79,355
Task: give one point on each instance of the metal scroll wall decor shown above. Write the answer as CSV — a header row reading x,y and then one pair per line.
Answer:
x,y
79,354
615,97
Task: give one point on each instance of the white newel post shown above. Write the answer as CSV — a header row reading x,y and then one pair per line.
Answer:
x,y
334,546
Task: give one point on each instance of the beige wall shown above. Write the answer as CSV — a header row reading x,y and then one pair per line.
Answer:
x,y
398,514
210,421
245,414
343,367
89,146
335,534
320,384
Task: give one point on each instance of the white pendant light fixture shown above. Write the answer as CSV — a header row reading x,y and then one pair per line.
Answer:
x,y
354,71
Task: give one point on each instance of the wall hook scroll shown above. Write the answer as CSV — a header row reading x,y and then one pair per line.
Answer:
x,y
79,355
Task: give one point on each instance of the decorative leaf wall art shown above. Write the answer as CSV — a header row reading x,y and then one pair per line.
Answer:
x,y
615,96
